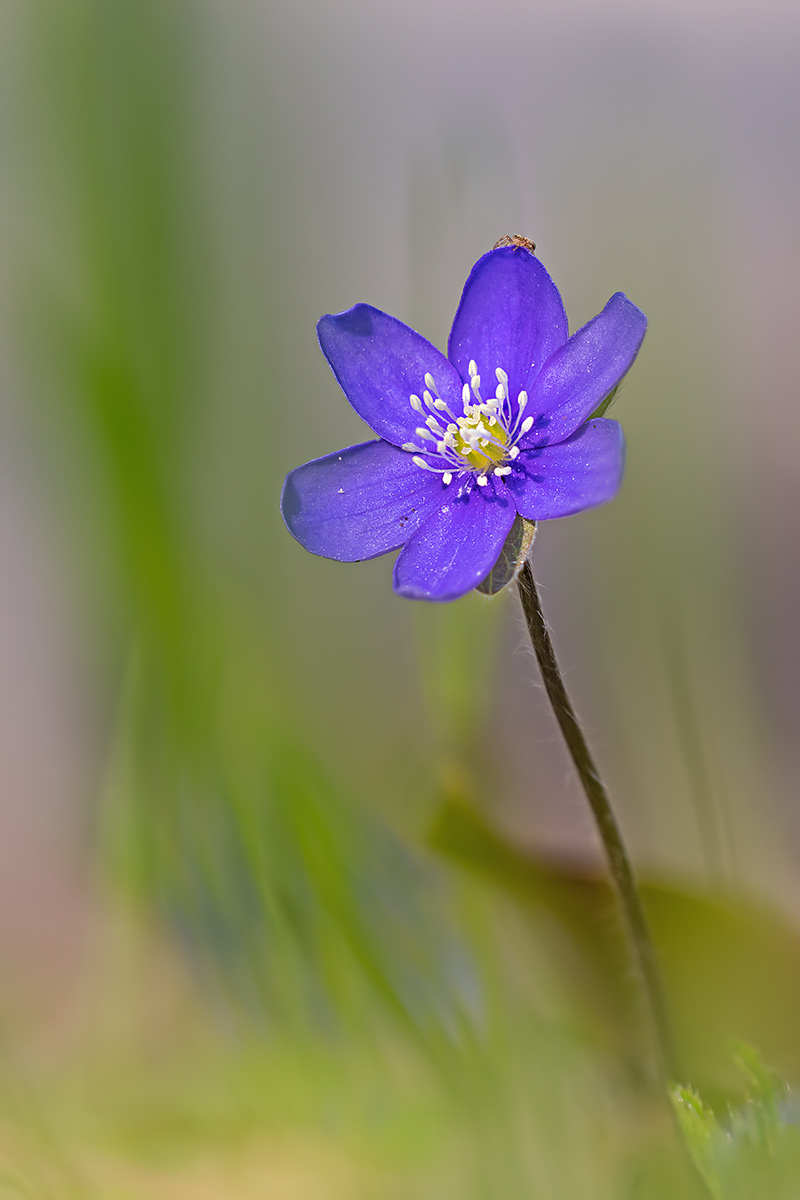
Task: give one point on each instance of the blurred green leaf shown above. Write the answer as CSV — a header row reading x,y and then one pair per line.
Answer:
x,y
731,966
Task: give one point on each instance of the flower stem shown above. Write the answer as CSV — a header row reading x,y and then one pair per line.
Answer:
x,y
635,920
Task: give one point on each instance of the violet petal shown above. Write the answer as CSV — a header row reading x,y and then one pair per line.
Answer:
x,y
578,473
510,316
359,502
582,372
456,547
379,363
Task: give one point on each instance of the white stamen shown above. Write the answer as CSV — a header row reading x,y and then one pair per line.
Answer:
x,y
441,406
485,431
420,462
486,436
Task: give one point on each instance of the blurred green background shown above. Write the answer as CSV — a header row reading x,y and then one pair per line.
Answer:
x,y
298,896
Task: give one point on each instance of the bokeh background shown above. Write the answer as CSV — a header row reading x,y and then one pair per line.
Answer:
x,y
298,897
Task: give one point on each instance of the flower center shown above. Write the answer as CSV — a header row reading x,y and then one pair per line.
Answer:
x,y
482,439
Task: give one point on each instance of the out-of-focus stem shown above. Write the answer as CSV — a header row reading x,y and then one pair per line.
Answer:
x,y
640,939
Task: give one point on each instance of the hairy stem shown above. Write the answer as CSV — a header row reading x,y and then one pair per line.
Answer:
x,y
640,940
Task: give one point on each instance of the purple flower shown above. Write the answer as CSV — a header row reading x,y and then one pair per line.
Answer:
x,y
500,427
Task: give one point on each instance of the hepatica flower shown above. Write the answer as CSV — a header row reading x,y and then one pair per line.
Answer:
x,y
501,427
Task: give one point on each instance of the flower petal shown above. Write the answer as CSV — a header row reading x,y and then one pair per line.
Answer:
x,y
379,363
585,470
360,502
510,316
580,374
457,546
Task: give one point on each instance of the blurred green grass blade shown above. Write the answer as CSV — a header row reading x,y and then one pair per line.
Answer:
x,y
457,650
702,1132
288,897
760,1119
